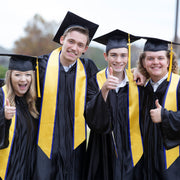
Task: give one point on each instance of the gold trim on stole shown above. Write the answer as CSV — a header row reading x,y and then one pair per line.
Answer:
x,y
171,104
5,153
49,104
80,91
135,133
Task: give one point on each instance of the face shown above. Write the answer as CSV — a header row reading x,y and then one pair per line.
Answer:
x,y
21,81
156,64
73,45
117,59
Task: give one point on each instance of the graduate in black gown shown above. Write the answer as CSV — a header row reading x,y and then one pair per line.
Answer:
x,y
161,115
115,149
63,77
18,119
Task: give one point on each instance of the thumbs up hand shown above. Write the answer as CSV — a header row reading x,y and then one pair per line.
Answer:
x,y
156,113
9,111
111,83
111,71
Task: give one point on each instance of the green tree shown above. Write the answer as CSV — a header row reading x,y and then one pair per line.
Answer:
x,y
96,54
2,72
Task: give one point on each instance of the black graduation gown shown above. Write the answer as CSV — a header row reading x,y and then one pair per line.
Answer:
x,y
66,163
103,117
157,136
22,157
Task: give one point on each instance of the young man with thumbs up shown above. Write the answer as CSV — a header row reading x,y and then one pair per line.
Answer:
x,y
115,149
160,114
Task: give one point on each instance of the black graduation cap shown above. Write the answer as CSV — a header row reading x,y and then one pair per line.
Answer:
x,y
72,19
21,62
24,63
155,44
116,39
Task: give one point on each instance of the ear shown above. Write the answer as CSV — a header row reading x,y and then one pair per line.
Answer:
x,y
85,49
61,39
105,56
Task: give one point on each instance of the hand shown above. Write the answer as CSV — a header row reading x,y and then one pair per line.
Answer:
x,y
156,113
9,111
111,83
138,77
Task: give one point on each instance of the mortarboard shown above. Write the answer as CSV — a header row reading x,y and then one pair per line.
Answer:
x,y
117,39
72,19
155,44
24,63
21,62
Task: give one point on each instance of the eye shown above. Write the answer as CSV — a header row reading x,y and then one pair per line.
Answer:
x,y
113,55
81,45
70,41
149,58
17,75
161,58
123,55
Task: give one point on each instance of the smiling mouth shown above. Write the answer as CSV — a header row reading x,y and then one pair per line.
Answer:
x,y
22,86
72,53
155,68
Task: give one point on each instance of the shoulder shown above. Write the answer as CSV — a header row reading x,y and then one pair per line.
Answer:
x,y
90,66
42,60
1,95
88,62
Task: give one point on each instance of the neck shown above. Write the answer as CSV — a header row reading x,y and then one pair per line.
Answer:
x,y
66,62
156,79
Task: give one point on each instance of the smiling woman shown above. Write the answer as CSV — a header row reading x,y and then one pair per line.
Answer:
x,y
18,119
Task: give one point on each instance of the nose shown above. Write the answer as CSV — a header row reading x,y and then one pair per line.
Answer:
x,y
74,47
23,78
155,61
119,59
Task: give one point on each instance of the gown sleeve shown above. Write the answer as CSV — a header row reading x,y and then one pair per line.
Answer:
x,y
4,125
98,115
98,155
171,125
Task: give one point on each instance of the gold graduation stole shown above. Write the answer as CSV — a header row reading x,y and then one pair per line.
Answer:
x,y
48,109
135,133
5,153
171,104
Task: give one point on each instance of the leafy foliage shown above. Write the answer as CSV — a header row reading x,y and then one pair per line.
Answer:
x,y
96,54
2,72
38,38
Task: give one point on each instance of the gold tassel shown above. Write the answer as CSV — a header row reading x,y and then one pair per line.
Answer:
x,y
170,63
37,75
129,53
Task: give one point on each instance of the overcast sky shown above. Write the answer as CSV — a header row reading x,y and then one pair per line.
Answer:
x,y
155,18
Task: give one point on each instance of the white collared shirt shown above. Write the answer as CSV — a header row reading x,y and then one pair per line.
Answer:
x,y
66,68
155,85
